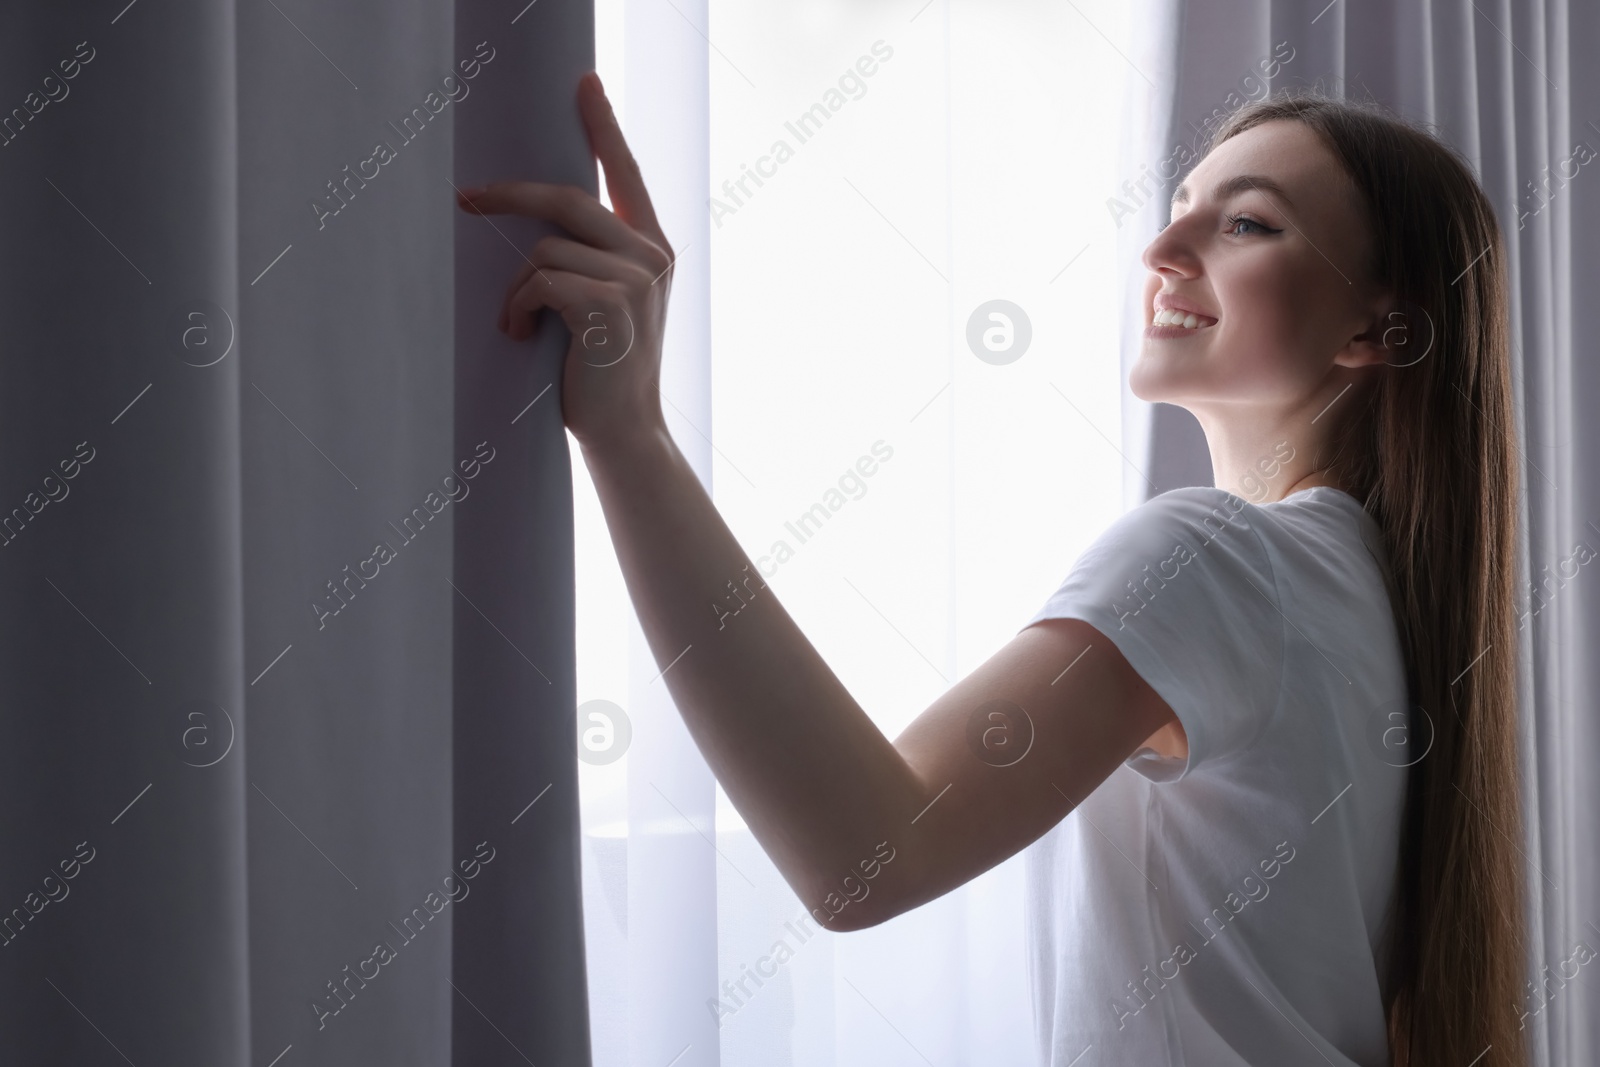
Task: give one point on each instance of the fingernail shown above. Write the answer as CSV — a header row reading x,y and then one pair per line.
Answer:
x,y
470,191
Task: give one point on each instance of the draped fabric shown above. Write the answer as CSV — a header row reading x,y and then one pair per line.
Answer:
x,y
1510,85
286,537
287,774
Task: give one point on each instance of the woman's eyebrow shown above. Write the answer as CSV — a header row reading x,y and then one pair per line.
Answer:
x,y
1233,186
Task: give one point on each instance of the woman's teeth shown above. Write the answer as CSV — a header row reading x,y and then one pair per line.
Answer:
x,y
1165,317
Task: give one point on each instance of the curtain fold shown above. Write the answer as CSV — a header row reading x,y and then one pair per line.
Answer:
x,y
264,740
120,481
519,955
1509,86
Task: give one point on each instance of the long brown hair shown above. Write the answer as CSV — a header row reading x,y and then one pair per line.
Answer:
x,y
1428,451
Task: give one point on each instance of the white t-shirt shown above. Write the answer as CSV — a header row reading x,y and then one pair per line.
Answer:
x,y
1229,909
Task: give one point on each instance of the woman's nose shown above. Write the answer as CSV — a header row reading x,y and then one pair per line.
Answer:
x,y
1170,251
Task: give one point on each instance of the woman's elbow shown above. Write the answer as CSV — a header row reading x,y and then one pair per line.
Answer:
x,y
843,914
863,898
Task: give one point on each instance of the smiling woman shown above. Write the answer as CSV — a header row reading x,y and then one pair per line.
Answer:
x,y
1302,235
1232,712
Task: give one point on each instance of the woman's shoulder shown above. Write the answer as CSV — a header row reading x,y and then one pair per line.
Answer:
x,y
1320,519
1321,511
1239,549
1200,536
1196,515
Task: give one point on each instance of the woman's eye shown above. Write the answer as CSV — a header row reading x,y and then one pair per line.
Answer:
x,y
1235,220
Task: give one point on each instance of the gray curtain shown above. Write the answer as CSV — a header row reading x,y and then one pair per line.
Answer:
x,y
285,539
1515,88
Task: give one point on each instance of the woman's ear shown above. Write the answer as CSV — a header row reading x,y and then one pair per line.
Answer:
x,y
1394,334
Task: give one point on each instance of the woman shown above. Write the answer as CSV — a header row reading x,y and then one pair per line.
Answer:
x,y
1288,724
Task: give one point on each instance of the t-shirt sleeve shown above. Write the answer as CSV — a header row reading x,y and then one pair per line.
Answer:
x,y
1183,586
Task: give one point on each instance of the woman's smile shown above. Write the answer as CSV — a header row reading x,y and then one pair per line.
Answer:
x,y
1172,316
1163,327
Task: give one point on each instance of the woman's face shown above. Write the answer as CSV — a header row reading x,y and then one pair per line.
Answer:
x,y
1283,278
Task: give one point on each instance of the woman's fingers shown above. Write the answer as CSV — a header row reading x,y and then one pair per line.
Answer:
x,y
624,182
574,211
632,229
569,255
612,259
566,205
524,272
558,290
559,253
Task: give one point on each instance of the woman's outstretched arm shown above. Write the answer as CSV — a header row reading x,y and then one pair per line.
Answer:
x,y
858,825
822,788
819,784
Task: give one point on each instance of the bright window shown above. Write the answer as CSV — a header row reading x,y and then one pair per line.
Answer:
x,y
972,165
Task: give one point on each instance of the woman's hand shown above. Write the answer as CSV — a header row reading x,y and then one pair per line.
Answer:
x,y
608,281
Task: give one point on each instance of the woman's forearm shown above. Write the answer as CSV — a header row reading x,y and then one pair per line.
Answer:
x,y
816,780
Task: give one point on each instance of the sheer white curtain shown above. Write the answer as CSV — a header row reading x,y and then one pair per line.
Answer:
x,y
912,475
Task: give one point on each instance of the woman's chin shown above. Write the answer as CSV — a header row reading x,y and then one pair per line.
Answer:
x,y
1156,377
1146,382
